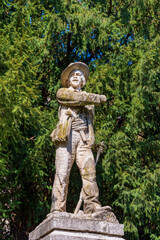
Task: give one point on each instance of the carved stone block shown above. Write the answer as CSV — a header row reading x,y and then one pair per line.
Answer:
x,y
66,226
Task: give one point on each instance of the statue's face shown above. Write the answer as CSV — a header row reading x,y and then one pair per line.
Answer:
x,y
76,79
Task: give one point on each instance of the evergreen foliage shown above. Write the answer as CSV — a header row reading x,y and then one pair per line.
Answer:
x,y
120,42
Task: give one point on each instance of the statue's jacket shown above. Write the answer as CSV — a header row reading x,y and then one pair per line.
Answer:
x,y
72,105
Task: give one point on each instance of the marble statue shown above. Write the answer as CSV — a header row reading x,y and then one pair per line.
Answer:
x,y
74,138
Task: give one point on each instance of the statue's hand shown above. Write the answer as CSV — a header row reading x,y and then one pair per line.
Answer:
x,y
103,98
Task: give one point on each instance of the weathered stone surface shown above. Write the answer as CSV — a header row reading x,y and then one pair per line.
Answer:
x,y
68,226
63,235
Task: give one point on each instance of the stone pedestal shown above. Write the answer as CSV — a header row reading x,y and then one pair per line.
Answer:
x,y
69,227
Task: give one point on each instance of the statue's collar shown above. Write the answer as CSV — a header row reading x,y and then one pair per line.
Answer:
x,y
74,90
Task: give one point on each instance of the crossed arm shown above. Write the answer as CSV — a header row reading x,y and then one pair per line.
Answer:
x,y
66,96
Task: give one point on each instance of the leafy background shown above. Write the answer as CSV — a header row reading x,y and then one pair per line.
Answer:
x,y
120,42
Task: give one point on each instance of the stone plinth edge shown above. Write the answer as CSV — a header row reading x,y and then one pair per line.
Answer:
x,y
63,227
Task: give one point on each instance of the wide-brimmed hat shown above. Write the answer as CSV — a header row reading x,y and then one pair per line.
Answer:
x,y
71,67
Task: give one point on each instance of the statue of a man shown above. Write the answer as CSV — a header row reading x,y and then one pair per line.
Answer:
x,y
74,137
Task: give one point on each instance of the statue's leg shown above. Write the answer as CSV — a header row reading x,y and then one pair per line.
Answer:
x,y
65,155
86,163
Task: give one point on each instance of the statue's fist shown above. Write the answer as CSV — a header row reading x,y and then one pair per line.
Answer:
x,y
103,98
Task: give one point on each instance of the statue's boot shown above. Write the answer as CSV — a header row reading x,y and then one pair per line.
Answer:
x,y
103,209
105,214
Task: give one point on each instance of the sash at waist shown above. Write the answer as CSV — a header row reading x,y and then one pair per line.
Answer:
x,y
79,124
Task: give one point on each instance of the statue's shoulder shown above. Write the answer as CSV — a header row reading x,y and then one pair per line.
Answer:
x,y
62,92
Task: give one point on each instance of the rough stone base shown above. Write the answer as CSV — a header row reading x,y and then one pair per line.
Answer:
x,y
69,227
